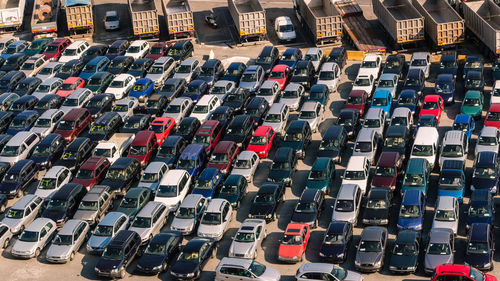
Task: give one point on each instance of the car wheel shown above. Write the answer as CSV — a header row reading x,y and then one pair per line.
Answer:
x,y
72,256
6,243
37,252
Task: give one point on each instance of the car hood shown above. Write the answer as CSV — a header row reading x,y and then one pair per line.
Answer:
x,y
22,246
261,209
59,251
368,257
114,185
378,181
376,214
303,217
242,248
85,215
483,183
410,222
403,262
333,249
279,175
242,172
323,185
13,224
148,262
108,265
431,261
290,251
45,193
40,131
210,229
353,276
98,241
471,110
477,260
248,85
343,216
445,224
143,232
184,267
328,153
182,224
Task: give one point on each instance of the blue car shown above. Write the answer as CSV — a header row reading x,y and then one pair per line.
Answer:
x,y
14,48
195,89
411,213
336,242
480,246
322,174
382,99
192,159
409,99
481,208
415,80
143,87
452,179
291,57
97,64
48,151
208,183
22,122
234,72
319,93
465,123
486,172
18,178
448,63
445,87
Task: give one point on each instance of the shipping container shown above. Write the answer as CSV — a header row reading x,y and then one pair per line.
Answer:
x,y
322,20
179,18
443,24
44,18
144,18
11,14
483,19
400,19
249,18
79,15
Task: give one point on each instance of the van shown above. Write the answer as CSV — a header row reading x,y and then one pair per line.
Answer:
x,y
426,145
181,50
18,178
161,70
143,147
455,146
417,175
74,51
19,147
22,213
357,172
64,203
208,134
486,172
173,188
277,117
150,220
192,159
223,156
127,243
73,123
375,120
367,144
298,136
76,99
333,143
94,205
206,105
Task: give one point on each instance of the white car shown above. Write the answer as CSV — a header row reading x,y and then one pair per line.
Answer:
x,y
34,238
150,220
222,88
347,203
246,164
357,172
74,51
52,181
121,85
270,91
329,75
421,60
216,219
111,21
46,123
125,107
178,108
47,87
248,239
371,64
49,70
5,235
284,29
312,112
364,82
447,213
188,69
137,49
204,107
173,188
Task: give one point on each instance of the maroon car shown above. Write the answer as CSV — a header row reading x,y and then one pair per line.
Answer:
x,y
92,172
158,50
388,170
223,156
358,99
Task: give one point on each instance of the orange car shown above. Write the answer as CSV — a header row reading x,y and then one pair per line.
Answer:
x,y
69,86
262,141
162,126
294,242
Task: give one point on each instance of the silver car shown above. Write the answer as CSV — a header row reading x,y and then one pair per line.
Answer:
x,y
329,76
454,146
222,88
488,140
94,205
47,87
447,213
315,55
178,108
252,78
292,95
270,91
105,231
5,235
230,269
312,112
246,164
367,143
188,69
34,238
248,239
371,249
77,99
47,122
6,100
150,220
52,181
421,60
152,176
49,70
125,107
189,213
347,204
22,213
68,241
216,219
440,250
318,271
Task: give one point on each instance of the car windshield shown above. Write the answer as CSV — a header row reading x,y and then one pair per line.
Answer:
x,y
186,164
445,215
156,70
363,146
138,150
307,115
409,211
444,87
311,57
90,68
15,214
185,213
344,205
139,88
156,249
200,109
290,94
493,116
52,49
317,175
290,239
88,206
422,150
405,249
142,222
480,211
67,87
414,180
204,184
273,118
28,66
386,83
316,95
43,123
211,218
452,150
166,151
301,72
258,140
399,121
438,249
484,173
379,102
489,141
203,140
355,100
334,239
17,124
419,62
29,236
84,174
354,175
173,109
70,102
265,92
305,208
460,127
371,123
10,150
42,150
244,237
47,183
102,152
112,253
206,72
280,166
133,49
377,204
264,198
395,142
63,240
473,82
330,75
120,108
167,190
430,105
427,122
157,128
385,171
293,137
406,101
234,131
149,177
329,145
370,246
412,82
57,205
69,155
286,28
184,69
229,189
129,203
116,174
219,158
249,77
191,257
362,82
137,66
453,180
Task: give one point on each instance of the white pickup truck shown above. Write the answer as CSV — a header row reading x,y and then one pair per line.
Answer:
x,y
115,147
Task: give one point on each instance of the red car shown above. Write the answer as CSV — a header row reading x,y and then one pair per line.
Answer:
x,y
224,155
143,147
493,116
69,86
262,141
162,126
73,123
294,242
388,170
92,172
56,48
158,50
451,272
281,73
358,99
433,105
208,134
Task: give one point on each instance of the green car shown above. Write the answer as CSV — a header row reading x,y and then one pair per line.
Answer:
x,y
322,174
38,46
473,104
99,82
135,199
233,189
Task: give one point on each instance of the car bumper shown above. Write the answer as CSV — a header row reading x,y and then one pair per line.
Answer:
x,y
151,271
376,222
110,274
396,270
289,259
183,231
56,259
20,255
177,276
95,251
367,268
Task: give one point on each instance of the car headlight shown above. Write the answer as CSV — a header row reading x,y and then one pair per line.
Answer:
x,y
472,188
139,266
155,268
399,226
268,216
379,263
321,254
356,262
418,227
190,274
466,264
392,267
487,264
341,255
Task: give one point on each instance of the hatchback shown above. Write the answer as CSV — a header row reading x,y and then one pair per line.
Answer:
x,y
34,238
371,249
110,225
294,242
411,212
404,256
68,241
440,249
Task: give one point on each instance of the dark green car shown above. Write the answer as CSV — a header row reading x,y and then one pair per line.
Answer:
x,y
298,136
473,104
135,199
283,166
38,46
99,82
322,174
404,256
233,189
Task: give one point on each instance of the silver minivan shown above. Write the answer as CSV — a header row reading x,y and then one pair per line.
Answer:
x,y
23,212
277,117
76,99
47,122
150,220
68,241
47,87
161,69
19,147
188,69
105,231
189,213
367,144
454,146
375,120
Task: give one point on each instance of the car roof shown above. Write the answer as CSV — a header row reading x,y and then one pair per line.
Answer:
x,y
453,137
294,226
154,167
208,173
400,112
267,188
54,171
365,134
266,51
92,163
149,209
77,143
449,164
173,177
216,205
486,159
372,233
388,159
111,218
309,106
143,136
489,131
38,224
19,165
426,135
195,244
283,153
396,131
333,132
480,197
316,267
440,235
378,193
347,191
66,190
191,200
246,155
412,197
69,227
121,238
320,163
479,232
24,201
445,77
309,194
356,163
420,55
373,113
446,203
19,137
235,262
223,146
49,139
192,151
336,227
416,164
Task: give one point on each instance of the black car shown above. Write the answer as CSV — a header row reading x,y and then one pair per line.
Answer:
x,y
188,127
397,139
474,80
93,52
181,50
14,62
4,138
105,126
378,205
333,144
162,249
2,61
155,105
23,103
266,202
240,130
257,108
51,101
27,86
268,58
223,114
3,203
193,257
172,88
283,167
118,254
336,241
136,123
70,69
122,174
140,67
117,48
350,120
238,99
303,74
9,81
170,150
395,64
5,119
404,256
64,202
309,208
338,56
120,64
99,104
211,71
48,151
18,178
234,72
75,154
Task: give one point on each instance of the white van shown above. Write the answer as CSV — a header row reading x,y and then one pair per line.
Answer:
x,y
206,105
277,117
173,188
74,51
19,147
426,145
357,172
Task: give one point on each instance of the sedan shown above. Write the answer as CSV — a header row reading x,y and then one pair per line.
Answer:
x,y
293,245
34,238
404,256
193,257
325,271
246,164
162,250
371,249
336,241
248,239
267,200
68,241
440,249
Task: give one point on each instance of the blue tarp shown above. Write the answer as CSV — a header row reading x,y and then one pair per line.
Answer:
x,y
69,3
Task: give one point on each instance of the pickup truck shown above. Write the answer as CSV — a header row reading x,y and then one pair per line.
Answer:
x,y
115,147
